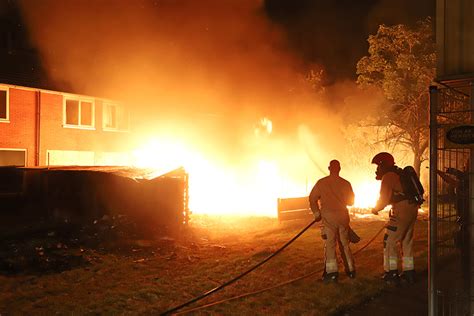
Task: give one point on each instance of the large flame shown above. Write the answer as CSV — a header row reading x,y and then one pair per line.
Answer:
x,y
366,193
215,188
218,187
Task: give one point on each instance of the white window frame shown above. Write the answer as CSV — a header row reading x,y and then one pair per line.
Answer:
x,y
80,100
7,119
70,152
114,129
18,149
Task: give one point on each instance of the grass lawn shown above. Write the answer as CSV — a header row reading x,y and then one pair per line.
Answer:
x,y
154,274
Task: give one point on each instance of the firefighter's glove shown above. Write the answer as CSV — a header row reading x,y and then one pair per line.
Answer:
x,y
317,215
375,212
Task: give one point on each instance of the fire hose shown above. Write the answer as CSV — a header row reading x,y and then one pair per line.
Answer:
x,y
214,290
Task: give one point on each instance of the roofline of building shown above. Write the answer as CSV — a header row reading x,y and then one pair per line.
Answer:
x,y
62,93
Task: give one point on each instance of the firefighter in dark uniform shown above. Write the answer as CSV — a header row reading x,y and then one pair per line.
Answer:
x,y
401,222
459,179
328,200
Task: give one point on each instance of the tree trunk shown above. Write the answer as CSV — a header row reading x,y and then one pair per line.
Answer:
x,y
417,152
417,161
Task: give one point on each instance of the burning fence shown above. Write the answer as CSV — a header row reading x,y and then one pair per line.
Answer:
x,y
82,194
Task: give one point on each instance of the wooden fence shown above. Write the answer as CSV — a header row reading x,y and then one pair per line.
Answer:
x,y
294,208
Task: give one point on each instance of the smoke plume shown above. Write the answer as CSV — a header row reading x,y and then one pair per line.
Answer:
x,y
206,72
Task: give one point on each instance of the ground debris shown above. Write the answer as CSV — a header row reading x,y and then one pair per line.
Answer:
x,y
48,249
218,246
264,253
193,258
173,255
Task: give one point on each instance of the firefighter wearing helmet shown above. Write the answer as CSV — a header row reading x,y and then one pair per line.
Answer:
x,y
401,222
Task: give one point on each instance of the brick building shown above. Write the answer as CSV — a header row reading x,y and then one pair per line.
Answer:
x,y
42,127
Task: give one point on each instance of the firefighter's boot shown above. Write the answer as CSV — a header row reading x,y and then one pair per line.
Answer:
x,y
408,276
391,277
330,277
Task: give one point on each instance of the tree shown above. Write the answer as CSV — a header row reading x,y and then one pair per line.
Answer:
x,y
401,62
315,79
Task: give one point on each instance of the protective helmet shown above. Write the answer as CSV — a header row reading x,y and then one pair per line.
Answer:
x,y
384,159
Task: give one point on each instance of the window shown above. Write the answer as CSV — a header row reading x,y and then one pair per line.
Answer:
x,y
11,179
12,157
4,105
79,113
116,117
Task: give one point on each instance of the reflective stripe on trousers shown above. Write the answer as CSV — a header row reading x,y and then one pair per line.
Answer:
x,y
400,229
337,233
331,266
408,263
389,262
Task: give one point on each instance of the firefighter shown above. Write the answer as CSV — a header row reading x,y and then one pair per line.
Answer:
x,y
459,179
328,200
401,222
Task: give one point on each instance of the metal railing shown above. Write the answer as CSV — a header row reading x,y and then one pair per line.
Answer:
x,y
451,172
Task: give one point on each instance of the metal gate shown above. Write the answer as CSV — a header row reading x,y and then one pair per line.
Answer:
x,y
451,192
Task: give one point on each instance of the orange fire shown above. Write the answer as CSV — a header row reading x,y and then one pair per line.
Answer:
x,y
219,188
213,187
366,193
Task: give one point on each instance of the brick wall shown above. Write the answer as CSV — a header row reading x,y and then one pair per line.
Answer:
x,y
54,136
20,132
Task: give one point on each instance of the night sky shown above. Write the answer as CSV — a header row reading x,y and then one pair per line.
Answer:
x,y
334,33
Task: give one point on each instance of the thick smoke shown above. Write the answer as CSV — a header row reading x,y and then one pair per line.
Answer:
x,y
190,56
203,71
210,63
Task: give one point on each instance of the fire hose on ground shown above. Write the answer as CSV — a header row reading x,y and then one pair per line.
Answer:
x,y
225,284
